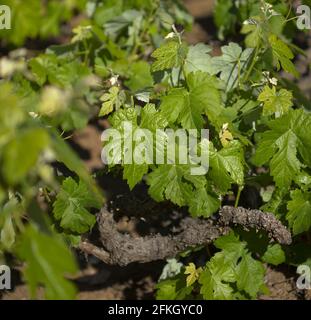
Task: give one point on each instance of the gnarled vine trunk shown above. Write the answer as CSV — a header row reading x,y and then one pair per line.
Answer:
x,y
122,249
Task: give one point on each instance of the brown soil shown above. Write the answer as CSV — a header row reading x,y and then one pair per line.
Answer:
x,y
201,10
282,286
138,282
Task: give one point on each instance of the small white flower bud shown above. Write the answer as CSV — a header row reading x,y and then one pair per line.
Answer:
x,y
170,35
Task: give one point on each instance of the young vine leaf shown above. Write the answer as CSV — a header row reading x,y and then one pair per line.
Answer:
x,y
275,101
170,55
299,211
280,146
282,55
72,204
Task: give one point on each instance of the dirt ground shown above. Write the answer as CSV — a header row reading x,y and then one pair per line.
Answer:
x,y
101,282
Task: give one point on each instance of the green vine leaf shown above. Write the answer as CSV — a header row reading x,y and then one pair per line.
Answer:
x,y
111,101
170,55
204,204
232,64
187,107
47,261
199,59
226,165
275,101
167,182
281,145
285,164
72,204
299,211
234,264
30,142
282,55
274,254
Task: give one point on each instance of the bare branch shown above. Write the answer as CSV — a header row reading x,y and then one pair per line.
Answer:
x,y
89,248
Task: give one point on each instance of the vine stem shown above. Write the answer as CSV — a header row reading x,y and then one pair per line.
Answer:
x,y
184,74
253,63
290,19
208,251
86,52
238,196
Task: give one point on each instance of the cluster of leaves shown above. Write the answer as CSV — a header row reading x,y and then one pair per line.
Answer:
x,y
127,61
253,122
232,273
33,19
45,98
28,147
232,17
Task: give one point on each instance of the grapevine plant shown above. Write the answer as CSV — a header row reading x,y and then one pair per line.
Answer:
x,y
128,61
